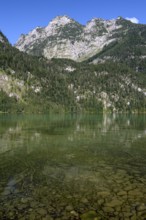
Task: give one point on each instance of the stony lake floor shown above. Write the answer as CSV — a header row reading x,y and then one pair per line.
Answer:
x,y
77,170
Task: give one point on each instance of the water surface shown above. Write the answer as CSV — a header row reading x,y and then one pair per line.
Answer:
x,y
73,167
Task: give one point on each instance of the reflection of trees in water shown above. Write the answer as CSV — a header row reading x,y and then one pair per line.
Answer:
x,y
20,131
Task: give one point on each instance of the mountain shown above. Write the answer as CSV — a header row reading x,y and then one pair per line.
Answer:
x,y
66,38
35,84
118,40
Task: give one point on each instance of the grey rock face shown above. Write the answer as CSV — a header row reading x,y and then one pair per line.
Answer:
x,y
66,38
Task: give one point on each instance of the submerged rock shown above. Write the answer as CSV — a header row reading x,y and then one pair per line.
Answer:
x,y
91,215
108,209
104,194
114,203
69,208
84,201
141,208
42,211
74,213
121,193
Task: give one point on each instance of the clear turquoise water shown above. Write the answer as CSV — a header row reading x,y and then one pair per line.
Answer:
x,y
73,167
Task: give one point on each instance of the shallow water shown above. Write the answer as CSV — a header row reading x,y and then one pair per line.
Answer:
x,y
73,167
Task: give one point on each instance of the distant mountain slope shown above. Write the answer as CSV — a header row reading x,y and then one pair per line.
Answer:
x,y
35,84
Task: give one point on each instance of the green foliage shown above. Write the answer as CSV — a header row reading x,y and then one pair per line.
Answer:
x,y
9,104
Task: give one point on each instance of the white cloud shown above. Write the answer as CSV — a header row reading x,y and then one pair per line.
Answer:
x,y
133,20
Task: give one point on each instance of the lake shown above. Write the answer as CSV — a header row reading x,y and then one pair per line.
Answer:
x,y
73,167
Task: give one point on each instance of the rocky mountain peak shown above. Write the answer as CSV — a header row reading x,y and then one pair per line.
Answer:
x,y
64,37
61,20
56,24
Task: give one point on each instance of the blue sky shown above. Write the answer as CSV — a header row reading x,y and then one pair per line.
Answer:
x,y
21,16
